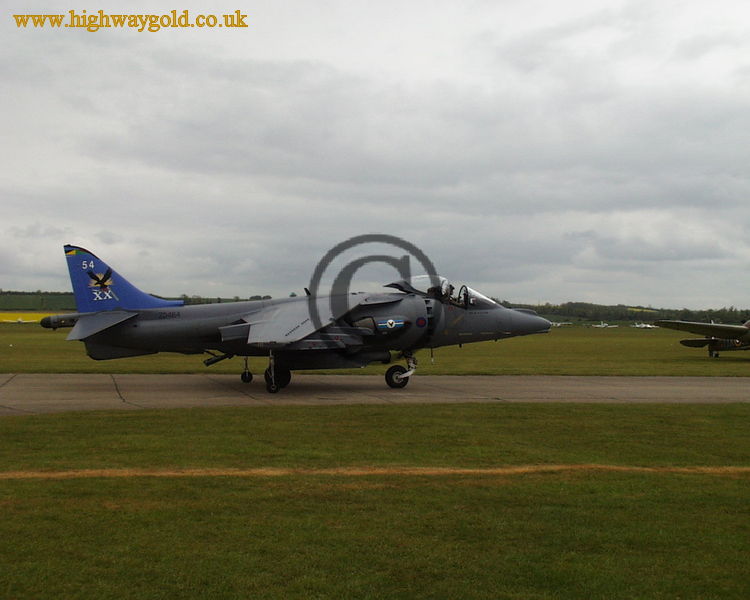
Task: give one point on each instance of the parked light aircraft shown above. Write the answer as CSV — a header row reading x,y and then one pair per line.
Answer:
x,y
115,320
718,337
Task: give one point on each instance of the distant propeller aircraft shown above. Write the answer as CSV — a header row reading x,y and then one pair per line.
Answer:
x,y
115,320
717,336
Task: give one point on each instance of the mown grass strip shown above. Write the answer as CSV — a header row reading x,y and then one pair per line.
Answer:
x,y
580,534
438,501
324,437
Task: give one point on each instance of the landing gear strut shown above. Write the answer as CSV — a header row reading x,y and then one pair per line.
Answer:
x,y
398,376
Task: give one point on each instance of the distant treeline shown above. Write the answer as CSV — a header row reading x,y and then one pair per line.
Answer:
x,y
585,311
569,311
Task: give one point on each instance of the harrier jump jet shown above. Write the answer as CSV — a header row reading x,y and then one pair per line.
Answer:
x,y
115,320
717,336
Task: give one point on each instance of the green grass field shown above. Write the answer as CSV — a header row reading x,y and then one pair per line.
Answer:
x,y
310,534
320,530
565,351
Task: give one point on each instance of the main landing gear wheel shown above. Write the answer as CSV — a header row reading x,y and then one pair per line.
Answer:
x,y
394,377
281,379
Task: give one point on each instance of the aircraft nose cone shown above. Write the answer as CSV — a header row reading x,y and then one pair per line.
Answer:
x,y
526,323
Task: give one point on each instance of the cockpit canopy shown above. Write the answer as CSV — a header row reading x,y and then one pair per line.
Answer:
x,y
440,288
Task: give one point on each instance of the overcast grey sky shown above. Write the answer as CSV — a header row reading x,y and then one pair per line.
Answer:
x,y
536,150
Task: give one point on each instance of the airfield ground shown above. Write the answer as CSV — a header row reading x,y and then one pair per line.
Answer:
x,y
41,393
633,487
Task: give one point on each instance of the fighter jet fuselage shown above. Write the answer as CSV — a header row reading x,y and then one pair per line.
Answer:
x,y
305,332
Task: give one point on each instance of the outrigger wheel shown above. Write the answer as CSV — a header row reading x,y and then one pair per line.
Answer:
x,y
394,377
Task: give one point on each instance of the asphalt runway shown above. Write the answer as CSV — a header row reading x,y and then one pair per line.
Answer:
x,y
48,393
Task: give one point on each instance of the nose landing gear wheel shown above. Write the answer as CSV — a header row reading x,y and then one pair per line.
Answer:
x,y
393,377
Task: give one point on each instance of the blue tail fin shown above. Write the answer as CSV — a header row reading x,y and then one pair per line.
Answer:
x,y
98,287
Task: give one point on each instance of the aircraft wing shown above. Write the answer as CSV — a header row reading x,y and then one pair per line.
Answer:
x,y
716,330
285,323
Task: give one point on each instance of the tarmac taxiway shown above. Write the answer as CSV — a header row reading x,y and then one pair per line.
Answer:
x,y
48,393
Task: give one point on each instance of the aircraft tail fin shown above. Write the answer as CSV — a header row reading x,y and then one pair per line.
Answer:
x,y
98,287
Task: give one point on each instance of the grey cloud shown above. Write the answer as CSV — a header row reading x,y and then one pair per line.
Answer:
x,y
700,46
216,172
36,230
635,251
310,123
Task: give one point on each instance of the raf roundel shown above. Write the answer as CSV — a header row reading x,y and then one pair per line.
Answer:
x,y
421,322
